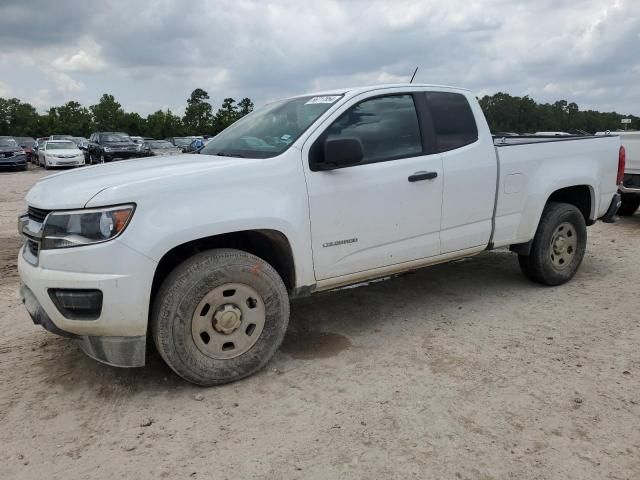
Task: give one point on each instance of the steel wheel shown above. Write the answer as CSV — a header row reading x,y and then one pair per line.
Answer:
x,y
228,321
563,245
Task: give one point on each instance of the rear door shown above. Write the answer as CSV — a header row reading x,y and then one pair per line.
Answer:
x,y
470,170
377,213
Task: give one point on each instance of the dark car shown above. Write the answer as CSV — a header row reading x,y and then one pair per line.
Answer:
x,y
11,155
26,143
158,148
109,146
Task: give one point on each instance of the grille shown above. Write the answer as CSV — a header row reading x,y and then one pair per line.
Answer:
x,y
38,214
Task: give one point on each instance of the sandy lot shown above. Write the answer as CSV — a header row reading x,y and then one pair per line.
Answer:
x,y
461,371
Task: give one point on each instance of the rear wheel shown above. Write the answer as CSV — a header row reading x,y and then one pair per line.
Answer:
x,y
629,205
220,316
558,246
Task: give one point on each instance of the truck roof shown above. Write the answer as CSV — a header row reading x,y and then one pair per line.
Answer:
x,y
368,88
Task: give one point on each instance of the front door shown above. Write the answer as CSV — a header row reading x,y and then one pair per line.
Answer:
x,y
385,210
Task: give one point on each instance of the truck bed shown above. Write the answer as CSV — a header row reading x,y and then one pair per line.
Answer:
x,y
502,141
531,167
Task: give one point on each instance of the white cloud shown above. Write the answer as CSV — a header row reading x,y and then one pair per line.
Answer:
x,y
64,84
81,61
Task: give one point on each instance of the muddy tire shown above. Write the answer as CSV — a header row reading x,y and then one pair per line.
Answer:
x,y
629,205
558,246
220,316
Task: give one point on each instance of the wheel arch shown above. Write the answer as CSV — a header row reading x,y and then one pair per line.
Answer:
x,y
270,245
580,196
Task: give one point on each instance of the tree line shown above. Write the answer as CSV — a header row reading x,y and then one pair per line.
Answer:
x,y
505,113
21,119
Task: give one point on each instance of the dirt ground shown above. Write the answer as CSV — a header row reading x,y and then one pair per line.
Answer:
x,y
461,371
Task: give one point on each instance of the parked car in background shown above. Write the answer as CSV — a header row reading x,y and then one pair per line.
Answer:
x,y
11,154
110,146
332,189
60,137
158,148
60,153
83,144
33,158
630,187
195,146
26,143
180,142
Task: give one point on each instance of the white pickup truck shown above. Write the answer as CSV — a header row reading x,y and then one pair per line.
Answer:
x,y
202,252
630,187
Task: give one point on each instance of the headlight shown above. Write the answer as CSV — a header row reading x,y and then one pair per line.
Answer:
x,y
84,227
107,149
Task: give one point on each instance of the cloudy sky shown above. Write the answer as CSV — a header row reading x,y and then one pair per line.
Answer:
x,y
152,54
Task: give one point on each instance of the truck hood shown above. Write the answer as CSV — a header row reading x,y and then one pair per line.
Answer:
x,y
74,188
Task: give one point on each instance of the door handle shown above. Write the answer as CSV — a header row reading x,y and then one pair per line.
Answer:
x,y
418,176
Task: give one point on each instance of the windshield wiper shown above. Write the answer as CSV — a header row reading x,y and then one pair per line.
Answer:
x,y
223,154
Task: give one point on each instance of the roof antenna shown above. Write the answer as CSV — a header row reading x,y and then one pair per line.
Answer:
x,y
414,75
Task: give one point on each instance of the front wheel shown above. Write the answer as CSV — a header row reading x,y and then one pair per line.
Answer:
x,y
220,316
629,205
558,246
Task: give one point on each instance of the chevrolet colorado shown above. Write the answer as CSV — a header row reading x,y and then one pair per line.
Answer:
x,y
202,252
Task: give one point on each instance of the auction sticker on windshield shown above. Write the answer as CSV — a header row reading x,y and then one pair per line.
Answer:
x,y
326,99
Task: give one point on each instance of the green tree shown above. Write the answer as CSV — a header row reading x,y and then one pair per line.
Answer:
x,y
163,124
17,118
107,114
226,114
73,119
245,106
198,116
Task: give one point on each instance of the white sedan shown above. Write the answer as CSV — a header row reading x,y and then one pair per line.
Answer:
x,y
60,153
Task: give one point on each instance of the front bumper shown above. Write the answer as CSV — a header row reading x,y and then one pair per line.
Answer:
x,y
115,351
65,162
17,161
124,276
123,155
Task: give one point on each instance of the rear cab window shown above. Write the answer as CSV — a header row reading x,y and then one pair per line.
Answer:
x,y
453,122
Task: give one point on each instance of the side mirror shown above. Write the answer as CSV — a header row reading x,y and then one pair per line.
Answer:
x,y
342,152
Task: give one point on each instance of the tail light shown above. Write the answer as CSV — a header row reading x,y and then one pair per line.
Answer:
x,y
622,160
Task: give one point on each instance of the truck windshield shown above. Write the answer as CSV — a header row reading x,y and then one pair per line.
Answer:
x,y
269,130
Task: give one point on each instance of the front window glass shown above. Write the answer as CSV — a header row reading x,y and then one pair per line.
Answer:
x,y
60,145
182,142
115,138
8,142
270,130
161,144
387,127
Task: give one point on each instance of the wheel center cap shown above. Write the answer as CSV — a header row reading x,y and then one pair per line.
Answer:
x,y
559,245
227,319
